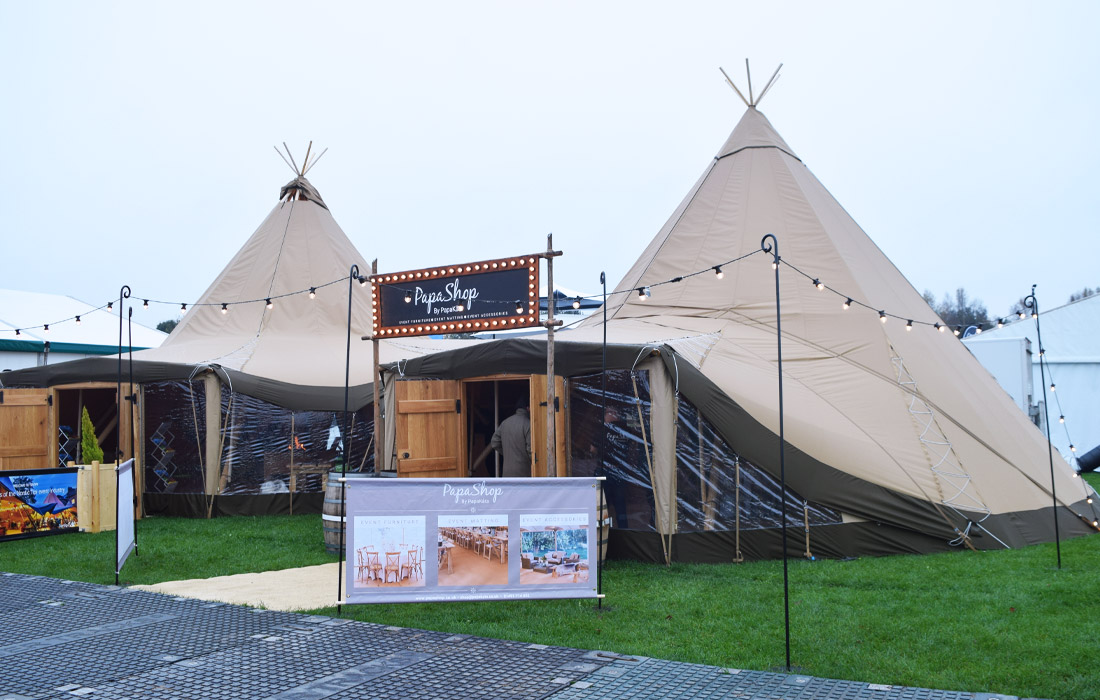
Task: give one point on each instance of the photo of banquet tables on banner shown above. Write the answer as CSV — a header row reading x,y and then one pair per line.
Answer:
x,y
470,539
473,550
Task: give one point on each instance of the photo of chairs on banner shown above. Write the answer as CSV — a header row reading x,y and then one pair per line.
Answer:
x,y
518,538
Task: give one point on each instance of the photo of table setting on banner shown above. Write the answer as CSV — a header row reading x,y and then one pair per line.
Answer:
x,y
470,539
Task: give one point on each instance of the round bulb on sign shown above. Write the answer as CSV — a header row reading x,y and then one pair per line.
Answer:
x,y
460,307
577,303
519,308
408,297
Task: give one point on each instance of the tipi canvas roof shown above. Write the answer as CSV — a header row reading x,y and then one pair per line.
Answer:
x,y
883,422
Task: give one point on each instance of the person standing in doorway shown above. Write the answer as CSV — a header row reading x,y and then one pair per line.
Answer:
x,y
512,439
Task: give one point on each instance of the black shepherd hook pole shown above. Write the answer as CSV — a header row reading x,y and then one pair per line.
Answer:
x,y
132,397
123,293
353,277
603,445
773,248
1032,303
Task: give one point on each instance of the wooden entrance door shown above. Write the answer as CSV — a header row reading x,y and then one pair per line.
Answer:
x,y
25,429
430,429
538,425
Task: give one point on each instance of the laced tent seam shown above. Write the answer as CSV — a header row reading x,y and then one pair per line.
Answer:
x,y
943,462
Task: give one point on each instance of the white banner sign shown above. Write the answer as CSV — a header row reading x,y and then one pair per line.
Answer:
x,y
124,514
419,540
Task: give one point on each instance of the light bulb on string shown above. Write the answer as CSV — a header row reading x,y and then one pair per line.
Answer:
x,y
1072,449
718,272
460,307
1061,419
408,297
78,320
848,303
1020,314
1000,323
1052,386
938,326
362,281
183,308
979,331
46,328
18,332
643,293
519,307
818,284
225,308
269,304
1035,314
909,325
145,303
958,330
110,305
312,292
577,303
882,316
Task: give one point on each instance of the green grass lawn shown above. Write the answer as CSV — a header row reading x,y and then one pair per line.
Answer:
x,y
1006,622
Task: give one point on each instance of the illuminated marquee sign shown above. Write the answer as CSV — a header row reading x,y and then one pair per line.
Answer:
x,y
491,295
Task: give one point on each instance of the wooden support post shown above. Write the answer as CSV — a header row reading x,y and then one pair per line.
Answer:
x,y
376,379
550,324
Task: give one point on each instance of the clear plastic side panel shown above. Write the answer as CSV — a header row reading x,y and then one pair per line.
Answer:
x,y
173,438
713,482
261,442
622,434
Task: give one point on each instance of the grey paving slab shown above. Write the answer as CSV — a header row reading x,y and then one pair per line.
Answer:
x,y
80,640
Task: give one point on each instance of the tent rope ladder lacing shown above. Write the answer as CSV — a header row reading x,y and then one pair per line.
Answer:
x,y
938,451
946,464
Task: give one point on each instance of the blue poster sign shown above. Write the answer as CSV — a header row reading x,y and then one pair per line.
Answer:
x,y
37,502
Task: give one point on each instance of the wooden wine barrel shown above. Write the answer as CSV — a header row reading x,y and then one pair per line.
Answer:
x,y
332,514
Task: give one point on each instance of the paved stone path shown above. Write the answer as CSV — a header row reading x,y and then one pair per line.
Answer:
x,y
63,640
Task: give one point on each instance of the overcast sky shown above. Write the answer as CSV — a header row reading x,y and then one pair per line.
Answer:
x,y
962,137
